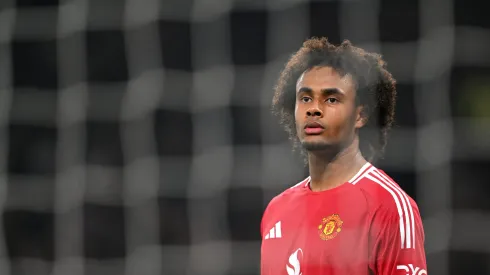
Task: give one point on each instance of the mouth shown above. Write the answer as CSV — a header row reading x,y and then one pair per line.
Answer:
x,y
314,128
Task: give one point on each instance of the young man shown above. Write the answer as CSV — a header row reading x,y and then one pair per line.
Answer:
x,y
347,217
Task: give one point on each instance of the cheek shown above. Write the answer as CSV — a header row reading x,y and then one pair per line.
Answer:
x,y
296,110
296,113
335,117
338,120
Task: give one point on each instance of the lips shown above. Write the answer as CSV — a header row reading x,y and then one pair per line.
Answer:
x,y
314,128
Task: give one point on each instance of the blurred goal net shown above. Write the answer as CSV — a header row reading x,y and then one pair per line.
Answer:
x,y
136,136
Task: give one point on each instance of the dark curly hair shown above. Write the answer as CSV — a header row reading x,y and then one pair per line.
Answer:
x,y
375,88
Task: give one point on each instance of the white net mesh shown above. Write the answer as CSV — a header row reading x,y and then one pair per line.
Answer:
x,y
136,136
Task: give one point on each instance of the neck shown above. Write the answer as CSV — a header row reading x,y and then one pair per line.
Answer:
x,y
331,169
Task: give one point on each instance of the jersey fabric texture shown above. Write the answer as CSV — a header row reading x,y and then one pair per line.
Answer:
x,y
368,225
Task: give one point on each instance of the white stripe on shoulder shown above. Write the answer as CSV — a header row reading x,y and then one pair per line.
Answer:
x,y
398,206
362,172
404,207
305,181
409,221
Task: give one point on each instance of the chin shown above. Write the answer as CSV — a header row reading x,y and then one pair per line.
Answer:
x,y
315,145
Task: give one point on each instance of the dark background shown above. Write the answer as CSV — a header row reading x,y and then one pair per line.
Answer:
x,y
136,136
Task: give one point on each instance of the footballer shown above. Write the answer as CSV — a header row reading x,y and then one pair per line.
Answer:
x,y
337,102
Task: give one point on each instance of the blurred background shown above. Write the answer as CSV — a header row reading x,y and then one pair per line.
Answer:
x,y
136,137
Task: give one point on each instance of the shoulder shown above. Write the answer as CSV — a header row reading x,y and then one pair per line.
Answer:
x,y
280,200
383,192
391,207
285,195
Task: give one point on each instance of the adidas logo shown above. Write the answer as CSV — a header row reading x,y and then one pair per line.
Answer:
x,y
275,232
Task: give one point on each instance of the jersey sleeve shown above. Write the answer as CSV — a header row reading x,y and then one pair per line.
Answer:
x,y
397,241
265,215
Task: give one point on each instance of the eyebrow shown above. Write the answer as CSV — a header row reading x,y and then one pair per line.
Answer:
x,y
327,91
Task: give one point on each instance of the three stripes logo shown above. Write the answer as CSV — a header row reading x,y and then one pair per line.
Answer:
x,y
275,232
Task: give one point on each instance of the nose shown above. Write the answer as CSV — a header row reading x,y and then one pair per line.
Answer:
x,y
314,112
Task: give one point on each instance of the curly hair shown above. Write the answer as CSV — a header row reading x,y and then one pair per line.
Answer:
x,y
375,88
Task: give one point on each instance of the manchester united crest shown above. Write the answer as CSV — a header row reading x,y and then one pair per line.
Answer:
x,y
330,227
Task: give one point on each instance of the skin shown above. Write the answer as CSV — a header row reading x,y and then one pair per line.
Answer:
x,y
323,96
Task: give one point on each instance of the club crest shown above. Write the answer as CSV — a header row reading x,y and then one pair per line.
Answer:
x,y
330,227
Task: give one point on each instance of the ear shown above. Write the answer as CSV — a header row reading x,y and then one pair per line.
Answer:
x,y
361,116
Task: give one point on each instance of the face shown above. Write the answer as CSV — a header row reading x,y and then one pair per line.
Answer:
x,y
326,113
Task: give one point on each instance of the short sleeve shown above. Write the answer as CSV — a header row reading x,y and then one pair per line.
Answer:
x,y
397,241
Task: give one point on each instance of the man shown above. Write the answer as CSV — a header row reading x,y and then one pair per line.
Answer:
x,y
347,217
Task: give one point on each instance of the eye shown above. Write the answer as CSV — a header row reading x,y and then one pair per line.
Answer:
x,y
305,99
332,100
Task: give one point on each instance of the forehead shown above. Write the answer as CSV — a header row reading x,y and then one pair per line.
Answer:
x,y
323,78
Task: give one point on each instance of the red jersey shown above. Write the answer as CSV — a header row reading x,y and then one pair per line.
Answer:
x,y
368,225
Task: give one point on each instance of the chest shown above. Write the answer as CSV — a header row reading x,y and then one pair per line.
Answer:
x,y
316,235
